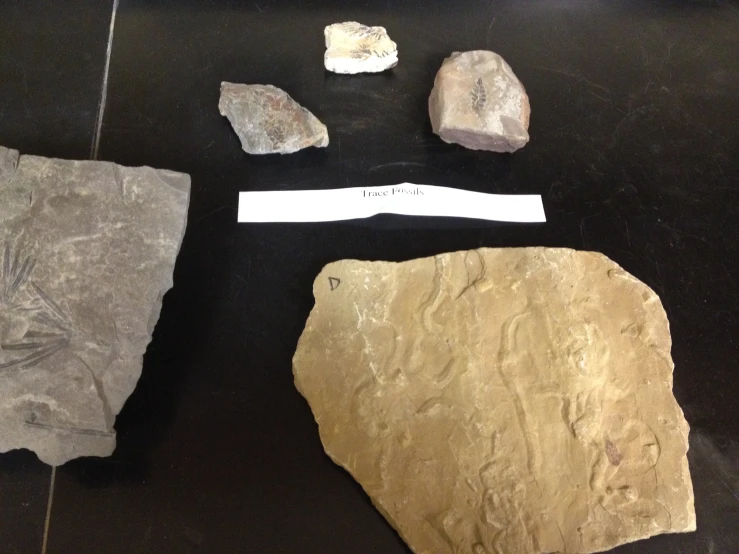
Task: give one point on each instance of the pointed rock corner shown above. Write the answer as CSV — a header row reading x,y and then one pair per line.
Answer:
x,y
355,48
478,102
268,121
500,400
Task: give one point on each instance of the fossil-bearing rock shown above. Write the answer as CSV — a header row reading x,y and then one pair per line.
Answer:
x,y
268,121
87,251
355,48
500,400
479,103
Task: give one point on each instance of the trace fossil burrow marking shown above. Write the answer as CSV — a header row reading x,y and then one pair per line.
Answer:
x,y
614,456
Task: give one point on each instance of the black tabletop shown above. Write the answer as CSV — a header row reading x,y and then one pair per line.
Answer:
x,y
634,149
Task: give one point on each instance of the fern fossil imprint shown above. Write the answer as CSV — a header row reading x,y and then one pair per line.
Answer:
x,y
48,326
358,30
367,51
479,96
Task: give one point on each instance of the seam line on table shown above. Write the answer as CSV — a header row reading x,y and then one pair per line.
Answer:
x,y
94,148
47,520
104,88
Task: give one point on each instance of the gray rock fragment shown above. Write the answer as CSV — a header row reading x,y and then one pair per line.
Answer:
x,y
87,251
268,121
478,102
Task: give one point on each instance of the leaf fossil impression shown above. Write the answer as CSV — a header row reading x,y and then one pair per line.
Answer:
x,y
479,96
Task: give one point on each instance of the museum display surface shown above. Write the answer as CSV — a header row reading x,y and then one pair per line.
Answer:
x,y
523,337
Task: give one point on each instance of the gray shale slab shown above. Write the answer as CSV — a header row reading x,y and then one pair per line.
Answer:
x,y
87,251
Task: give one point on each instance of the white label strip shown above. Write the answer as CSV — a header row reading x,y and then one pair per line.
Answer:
x,y
403,199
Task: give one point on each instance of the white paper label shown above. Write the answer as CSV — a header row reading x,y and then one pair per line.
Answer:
x,y
403,199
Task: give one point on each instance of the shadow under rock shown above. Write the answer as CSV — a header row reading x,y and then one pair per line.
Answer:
x,y
148,414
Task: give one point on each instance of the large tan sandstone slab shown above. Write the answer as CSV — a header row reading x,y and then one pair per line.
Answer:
x,y
500,400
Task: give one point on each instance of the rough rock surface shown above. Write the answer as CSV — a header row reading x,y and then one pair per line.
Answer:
x,y
479,103
355,48
87,251
500,400
268,121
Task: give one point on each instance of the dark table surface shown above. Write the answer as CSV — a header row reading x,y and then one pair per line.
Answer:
x,y
634,149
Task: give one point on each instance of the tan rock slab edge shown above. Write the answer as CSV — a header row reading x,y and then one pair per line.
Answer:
x,y
500,400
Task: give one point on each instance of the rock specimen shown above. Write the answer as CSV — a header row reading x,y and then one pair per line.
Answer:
x,y
500,400
268,121
355,48
479,103
86,254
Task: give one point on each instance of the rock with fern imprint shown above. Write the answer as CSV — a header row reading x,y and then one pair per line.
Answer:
x,y
87,251
268,121
355,48
478,102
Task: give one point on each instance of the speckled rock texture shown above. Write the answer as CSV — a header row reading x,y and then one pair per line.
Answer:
x,y
500,400
478,102
87,251
355,48
268,121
